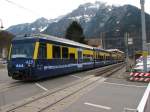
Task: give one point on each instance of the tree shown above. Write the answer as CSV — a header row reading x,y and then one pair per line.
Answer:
x,y
75,32
5,39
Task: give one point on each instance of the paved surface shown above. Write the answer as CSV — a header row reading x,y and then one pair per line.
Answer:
x,y
4,76
108,97
18,93
113,95
26,89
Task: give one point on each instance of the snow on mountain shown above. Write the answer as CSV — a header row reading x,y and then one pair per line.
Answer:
x,y
37,26
44,28
83,14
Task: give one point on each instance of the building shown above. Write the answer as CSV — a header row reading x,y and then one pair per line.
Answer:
x,y
5,41
95,42
3,52
148,48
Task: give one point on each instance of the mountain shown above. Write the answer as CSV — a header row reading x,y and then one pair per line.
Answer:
x,y
57,27
37,26
97,23
124,19
83,14
98,20
107,22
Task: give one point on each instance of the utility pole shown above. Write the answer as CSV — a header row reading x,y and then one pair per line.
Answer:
x,y
103,39
126,36
142,2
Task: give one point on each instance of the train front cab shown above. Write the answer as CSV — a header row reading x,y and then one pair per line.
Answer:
x,y
21,60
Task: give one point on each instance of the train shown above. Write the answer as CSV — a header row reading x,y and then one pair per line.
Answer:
x,y
41,56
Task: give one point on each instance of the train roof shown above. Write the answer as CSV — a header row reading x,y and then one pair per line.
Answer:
x,y
51,38
101,49
115,50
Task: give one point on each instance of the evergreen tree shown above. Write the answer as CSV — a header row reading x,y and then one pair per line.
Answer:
x,y
75,32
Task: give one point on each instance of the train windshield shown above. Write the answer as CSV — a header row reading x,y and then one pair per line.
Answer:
x,y
22,50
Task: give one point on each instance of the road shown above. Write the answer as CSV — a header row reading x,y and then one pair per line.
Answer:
x,y
4,77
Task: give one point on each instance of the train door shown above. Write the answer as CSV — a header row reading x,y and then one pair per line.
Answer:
x,y
80,56
42,59
94,58
80,59
42,54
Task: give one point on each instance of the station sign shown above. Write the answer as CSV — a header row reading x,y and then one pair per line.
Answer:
x,y
130,41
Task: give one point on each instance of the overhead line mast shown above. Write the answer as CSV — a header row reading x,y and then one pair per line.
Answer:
x,y
142,2
1,27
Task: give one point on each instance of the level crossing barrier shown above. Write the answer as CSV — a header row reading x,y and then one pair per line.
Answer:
x,y
139,76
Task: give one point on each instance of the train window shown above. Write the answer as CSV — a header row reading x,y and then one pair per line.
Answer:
x,y
42,51
101,57
106,57
56,52
79,54
96,55
72,56
64,52
22,50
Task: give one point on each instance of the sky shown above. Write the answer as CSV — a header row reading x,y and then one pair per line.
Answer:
x,y
14,12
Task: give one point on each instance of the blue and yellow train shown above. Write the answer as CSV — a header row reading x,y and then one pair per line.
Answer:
x,y
41,56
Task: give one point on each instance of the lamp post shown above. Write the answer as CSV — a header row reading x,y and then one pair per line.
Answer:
x,y
103,40
1,27
142,2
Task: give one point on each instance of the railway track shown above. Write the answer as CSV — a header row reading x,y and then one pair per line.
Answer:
x,y
12,85
8,86
48,99
5,86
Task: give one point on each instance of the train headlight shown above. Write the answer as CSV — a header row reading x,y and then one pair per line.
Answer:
x,y
29,65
